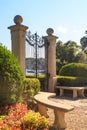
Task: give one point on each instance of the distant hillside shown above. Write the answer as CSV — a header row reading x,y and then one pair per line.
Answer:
x,y
31,63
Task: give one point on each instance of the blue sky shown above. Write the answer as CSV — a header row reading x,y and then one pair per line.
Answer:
x,y
68,18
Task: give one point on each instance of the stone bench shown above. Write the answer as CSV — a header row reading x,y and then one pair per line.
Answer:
x,y
77,91
60,109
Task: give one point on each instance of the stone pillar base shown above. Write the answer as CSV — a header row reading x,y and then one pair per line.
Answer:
x,y
59,120
80,92
61,92
52,84
43,110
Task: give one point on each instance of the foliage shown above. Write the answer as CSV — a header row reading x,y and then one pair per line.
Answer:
x,y
66,53
60,52
71,54
15,113
11,77
35,121
81,57
59,65
71,81
33,76
12,121
20,118
42,79
74,69
31,86
83,42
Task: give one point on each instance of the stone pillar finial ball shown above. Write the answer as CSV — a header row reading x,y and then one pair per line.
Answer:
x,y
18,19
50,31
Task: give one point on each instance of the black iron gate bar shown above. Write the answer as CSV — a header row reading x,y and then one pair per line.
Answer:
x,y
36,41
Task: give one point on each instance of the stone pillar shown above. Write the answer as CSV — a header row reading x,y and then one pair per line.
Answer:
x,y
51,59
18,38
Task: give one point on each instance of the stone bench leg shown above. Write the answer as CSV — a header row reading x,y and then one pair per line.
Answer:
x,y
59,121
61,92
74,93
81,93
42,109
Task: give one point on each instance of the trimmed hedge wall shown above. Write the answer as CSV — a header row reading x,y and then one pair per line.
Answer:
x,y
73,74
71,81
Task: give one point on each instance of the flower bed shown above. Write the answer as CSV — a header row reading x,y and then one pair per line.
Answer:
x,y
18,117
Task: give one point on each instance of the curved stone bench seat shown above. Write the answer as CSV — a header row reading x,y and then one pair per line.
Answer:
x,y
60,109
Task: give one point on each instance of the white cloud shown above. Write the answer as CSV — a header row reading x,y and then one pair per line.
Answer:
x,y
62,29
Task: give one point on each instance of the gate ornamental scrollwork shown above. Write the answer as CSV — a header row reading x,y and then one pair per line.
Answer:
x,y
37,42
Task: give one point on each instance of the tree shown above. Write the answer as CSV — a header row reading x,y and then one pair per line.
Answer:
x,y
81,57
83,42
67,53
71,54
60,51
71,43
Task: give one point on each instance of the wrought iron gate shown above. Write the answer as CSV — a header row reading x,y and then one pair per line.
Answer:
x,y
36,52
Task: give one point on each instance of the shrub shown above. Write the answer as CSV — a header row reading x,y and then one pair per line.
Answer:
x,y
31,86
35,121
11,77
11,121
74,69
20,118
42,80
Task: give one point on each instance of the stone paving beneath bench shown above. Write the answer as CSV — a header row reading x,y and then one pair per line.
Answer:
x,y
76,119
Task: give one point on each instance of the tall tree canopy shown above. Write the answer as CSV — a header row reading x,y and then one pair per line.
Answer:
x,y
69,52
83,41
66,52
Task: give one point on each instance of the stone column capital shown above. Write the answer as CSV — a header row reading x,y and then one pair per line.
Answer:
x,y
18,27
51,38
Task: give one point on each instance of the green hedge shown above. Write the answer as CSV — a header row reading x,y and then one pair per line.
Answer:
x,y
71,81
42,80
74,69
31,86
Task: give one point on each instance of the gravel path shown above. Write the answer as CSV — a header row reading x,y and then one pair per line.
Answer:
x,y
76,119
